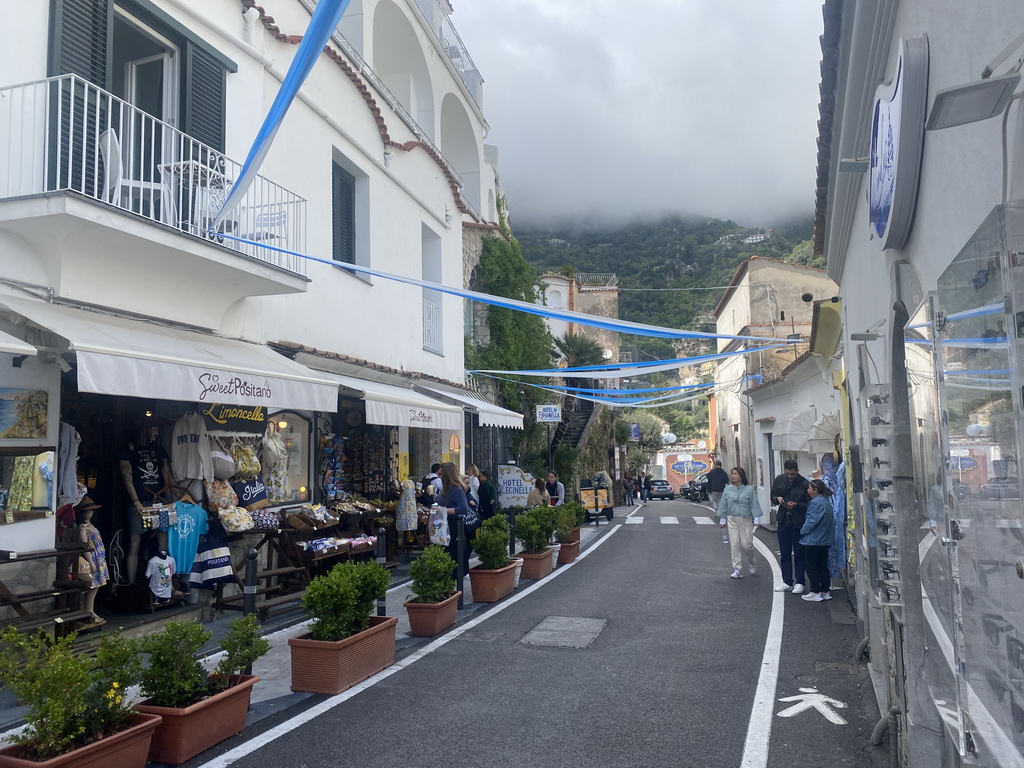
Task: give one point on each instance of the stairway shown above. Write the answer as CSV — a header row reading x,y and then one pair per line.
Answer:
x,y
573,429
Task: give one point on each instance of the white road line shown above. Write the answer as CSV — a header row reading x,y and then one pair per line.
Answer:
x,y
669,520
289,725
704,521
762,714
634,521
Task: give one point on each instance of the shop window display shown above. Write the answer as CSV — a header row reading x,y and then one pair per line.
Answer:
x,y
285,459
26,482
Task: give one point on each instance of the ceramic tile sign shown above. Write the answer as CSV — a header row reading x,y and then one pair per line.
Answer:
x,y
23,413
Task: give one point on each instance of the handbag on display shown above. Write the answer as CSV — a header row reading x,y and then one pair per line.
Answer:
x,y
247,465
236,519
220,495
266,519
223,461
251,493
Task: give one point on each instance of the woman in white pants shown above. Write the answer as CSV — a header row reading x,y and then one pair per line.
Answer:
x,y
742,513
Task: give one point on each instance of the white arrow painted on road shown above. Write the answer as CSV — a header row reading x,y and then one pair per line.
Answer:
x,y
812,699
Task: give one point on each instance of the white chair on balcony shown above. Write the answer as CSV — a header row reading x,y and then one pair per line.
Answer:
x,y
269,227
122,191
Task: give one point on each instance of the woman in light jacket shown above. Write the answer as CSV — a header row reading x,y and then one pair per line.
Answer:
x,y
538,497
816,535
742,513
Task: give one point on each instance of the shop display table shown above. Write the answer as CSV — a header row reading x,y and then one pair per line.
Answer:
x,y
281,581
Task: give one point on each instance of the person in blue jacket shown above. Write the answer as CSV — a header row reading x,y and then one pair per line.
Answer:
x,y
816,535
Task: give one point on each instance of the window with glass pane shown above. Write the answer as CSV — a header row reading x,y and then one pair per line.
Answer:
x,y
286,452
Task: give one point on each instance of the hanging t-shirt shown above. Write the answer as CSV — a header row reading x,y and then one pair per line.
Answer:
x,y
147,470
159,572
190,449
183,537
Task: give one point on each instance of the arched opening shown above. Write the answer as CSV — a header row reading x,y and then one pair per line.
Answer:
x,y
398,61
458,143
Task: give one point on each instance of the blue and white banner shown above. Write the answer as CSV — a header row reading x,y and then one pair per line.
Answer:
x,y
325,20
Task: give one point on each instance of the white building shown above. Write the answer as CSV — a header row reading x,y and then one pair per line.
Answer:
x,y
920,182
124,123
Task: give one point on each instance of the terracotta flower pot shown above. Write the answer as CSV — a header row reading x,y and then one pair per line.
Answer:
x,y
187,731
575,534
491,586
125,749
569,551
537,566
323,666
431,619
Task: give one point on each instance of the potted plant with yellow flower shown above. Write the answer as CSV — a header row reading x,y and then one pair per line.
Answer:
x,y
77,713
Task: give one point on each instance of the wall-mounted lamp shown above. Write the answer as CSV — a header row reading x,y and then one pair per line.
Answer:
x,y
282,425
865,336
809,297
387,157
980,100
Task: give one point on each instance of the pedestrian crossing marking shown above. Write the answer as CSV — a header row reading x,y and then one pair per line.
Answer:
x,y
670,521
666,520
634,521
703,521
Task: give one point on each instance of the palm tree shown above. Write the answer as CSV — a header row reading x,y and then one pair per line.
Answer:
x,y
574,350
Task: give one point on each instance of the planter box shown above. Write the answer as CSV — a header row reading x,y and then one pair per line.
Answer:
x,y
568,552
491,586
125,749
575,534
537,566
186,732
322,666
431,619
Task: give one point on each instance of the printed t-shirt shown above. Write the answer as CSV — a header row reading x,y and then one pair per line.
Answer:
x,y
159,572
147,470
183,538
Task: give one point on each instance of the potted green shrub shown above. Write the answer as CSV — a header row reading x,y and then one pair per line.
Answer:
x,y
495,576
437,601
565,527
580,516
534,528
76,709
198,709
345,645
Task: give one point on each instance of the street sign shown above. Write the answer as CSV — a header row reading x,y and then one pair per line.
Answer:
x,y
549,413
634,433
957,452
514,485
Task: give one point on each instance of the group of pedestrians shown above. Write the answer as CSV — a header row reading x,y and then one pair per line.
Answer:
x,y
636,488
805,526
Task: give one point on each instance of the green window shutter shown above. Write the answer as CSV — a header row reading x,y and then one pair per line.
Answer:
x,y
205,92
80,35
344,200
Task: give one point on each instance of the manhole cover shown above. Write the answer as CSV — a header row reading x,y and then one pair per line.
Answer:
x,y
480,637
839,667
706,571
807,678
564,632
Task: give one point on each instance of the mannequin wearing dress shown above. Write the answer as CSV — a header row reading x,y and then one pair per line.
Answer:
x,y
96,557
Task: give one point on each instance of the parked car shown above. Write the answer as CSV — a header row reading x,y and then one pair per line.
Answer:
x,y
660,489
1000,488
696,489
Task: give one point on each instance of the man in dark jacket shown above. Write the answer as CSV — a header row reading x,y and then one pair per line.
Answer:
x,y
789,492
488,495
718,478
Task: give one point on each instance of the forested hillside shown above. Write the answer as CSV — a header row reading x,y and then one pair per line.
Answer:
x,y
695,254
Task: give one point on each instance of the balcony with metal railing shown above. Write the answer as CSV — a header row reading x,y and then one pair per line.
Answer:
x,y
65,135
443,29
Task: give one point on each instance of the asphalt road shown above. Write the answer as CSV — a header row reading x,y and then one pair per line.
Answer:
x,y
667,678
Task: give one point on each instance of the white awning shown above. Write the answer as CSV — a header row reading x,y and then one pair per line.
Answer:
x,y
134,358
490,415
823,433
400,406
791,433
14,345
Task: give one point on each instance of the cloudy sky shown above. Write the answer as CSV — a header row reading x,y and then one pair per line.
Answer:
x,y
605,108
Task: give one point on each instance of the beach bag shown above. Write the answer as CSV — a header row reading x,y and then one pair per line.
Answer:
x,y
251,493
223,462
246,463
220,495
236,519
266,519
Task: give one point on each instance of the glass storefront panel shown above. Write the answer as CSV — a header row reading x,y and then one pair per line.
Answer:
x,y
979,398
